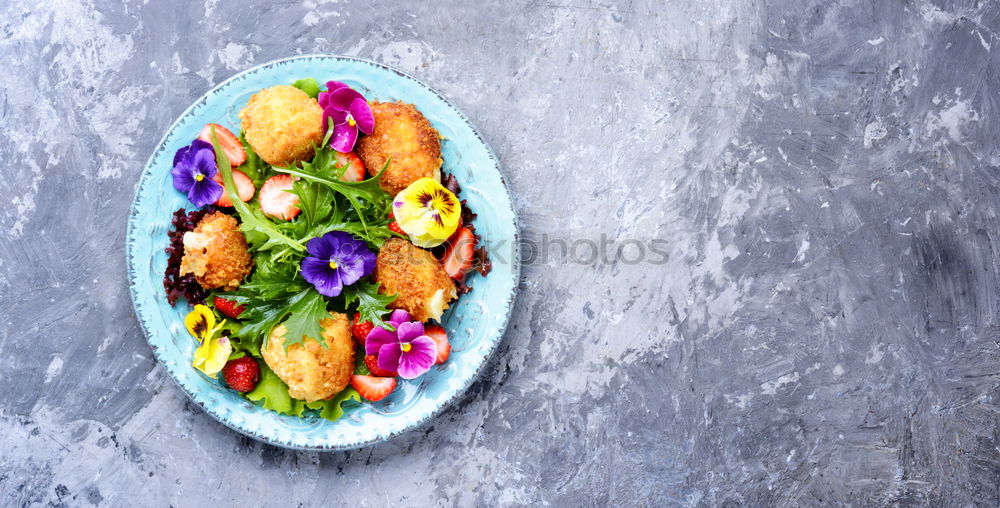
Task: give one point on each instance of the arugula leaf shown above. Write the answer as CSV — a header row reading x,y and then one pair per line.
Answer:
x,y
366,197
372,305
254,167
250,220
305,314
308,85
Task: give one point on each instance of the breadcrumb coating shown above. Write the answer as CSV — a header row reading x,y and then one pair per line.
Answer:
x,y
416,277
282,124
216,253
311,371
403,133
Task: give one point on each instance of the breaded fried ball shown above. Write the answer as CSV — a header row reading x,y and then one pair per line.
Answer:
x,y
401,132
416,277
216,252
282,124
311,371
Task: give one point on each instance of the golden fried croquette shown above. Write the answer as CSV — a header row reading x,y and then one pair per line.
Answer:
x,y
402,133
311,371
416,277
216,253
282,124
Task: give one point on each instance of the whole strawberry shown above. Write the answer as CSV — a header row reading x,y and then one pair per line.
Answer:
x,y
361,329
229,307
242,374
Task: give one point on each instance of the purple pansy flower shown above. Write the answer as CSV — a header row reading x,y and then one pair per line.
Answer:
x,y
349,111
335,260
406,351
194,167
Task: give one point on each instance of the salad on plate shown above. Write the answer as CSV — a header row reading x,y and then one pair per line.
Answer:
x,y
321,247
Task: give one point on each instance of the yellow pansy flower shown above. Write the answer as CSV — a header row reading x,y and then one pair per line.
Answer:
x,y
427,212
212,355
200,321
213,352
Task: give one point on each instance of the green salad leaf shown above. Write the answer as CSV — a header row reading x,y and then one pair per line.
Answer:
x,y
371,304
250,220
272,393
304,317
308,85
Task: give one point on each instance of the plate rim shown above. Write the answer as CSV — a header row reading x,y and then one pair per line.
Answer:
x,y
464,386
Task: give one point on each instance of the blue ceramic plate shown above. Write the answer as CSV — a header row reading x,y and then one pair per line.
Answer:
x,y
475,324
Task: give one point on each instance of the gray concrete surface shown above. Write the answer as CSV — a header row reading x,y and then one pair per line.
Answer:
x,y
826,176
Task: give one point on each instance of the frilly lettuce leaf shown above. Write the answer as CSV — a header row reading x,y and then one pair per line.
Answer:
x,y
272,393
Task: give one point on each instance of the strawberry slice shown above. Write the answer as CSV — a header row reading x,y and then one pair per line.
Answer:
x,y
373,387
371,361
459,255
228,141
244,186
441,338
355,171
276,199
360,330
229,307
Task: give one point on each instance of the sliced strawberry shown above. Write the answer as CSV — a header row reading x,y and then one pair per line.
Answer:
x,y
229,307
361,330
355,171
276,198
441,338
394,227
228,141
460,253
241,374
371,361
373,387
244,186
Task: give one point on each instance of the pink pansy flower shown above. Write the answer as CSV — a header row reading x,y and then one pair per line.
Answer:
x,y
406,351
349,112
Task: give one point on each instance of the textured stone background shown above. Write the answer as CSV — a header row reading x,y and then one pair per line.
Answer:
x,y
824,333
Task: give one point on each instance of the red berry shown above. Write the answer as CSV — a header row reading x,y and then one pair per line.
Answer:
x,y
276,198
372,387
441,339
460,253
244,186
229,307
228,142
394,226
371,361
361,330
241,374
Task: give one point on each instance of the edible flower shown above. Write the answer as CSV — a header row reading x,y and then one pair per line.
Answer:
x,y
348,110
407,350
335,260
214,351
427,212
194,167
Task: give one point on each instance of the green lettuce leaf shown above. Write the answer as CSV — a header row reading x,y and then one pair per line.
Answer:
x,y
308,85
304,316
371,304
333,409
272,393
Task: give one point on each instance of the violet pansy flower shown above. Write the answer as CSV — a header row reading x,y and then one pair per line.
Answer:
x,y
349,112
407,351
335,260
194,167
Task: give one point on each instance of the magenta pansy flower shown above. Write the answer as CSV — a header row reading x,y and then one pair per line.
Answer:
x,y
406,351
349,112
